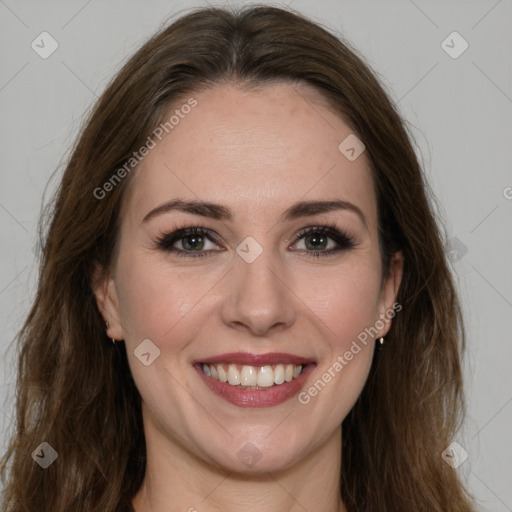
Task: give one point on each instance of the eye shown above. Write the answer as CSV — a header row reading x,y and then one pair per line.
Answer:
x,y
192,241
187,242
316,240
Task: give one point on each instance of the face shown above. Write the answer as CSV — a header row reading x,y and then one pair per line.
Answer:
x,y
266,282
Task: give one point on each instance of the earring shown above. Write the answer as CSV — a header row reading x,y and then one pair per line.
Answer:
x,y
379,344
108,325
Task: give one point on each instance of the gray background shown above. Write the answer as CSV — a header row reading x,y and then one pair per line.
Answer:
x,y
459,110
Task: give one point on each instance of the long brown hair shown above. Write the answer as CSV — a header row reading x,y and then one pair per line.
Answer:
x,y
74,387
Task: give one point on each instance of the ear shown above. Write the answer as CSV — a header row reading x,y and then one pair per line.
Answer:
x,y
387,302
104,289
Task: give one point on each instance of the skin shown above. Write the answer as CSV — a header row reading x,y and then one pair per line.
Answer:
x,y
257,153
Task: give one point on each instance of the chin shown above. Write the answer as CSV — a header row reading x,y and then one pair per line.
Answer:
x,y
254,455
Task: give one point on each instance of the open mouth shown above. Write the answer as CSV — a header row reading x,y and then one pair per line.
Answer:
x,y
252,377
270,380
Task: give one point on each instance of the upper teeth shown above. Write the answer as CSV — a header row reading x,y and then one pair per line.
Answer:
x,y
263,376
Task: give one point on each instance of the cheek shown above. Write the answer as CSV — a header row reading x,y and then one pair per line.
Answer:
x,y
157,300
347,302
347,308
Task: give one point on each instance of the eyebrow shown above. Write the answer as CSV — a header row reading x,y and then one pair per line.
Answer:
x,y
219,212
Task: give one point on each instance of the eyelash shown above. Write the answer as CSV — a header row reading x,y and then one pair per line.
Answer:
x,y
167,240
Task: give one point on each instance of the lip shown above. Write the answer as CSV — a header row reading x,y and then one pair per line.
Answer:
x,y
246,358
275,395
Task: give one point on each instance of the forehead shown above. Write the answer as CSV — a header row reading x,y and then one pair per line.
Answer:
x,y
256,151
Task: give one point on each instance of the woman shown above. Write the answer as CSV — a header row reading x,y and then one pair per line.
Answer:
x,y
244,301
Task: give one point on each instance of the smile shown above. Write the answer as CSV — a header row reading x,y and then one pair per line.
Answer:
x,y
254,380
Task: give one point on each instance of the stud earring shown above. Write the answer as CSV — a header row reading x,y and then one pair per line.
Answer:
x,y
379,344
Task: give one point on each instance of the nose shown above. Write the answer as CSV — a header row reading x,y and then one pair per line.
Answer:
x,y
259,296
